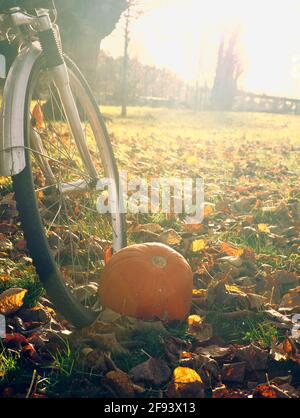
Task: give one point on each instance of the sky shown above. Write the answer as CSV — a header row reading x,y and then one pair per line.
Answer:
x,y
183,35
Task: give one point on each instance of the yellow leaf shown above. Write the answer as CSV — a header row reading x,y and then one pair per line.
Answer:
x,y
198,245
263,228
195,321
192,160
4,181
185,375
208,209
199,293
40,195
234,290
11,300
4,278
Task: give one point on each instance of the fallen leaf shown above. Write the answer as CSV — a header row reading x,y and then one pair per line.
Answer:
x,y
6,228
224,393
214,351
170,237
151,227
119,384
291,301
186,384
36,314
254,357
199,329
5,243
284,277
11,300
193,228
195,321
198,245
37,118
234,372
230,250
256,301
153,372
269,392
263,228
209,209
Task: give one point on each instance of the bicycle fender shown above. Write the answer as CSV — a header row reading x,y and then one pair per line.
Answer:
x,y
12,151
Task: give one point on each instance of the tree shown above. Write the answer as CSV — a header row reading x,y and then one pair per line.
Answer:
x,y
83,24
229,69
145,83
133,12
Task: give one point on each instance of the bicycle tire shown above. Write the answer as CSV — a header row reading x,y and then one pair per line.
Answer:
x,y
32,223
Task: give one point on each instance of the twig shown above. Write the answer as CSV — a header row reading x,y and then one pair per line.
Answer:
x,y
32,383
144,352
272,295
208,273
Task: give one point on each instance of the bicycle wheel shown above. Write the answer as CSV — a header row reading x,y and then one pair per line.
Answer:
x,y
57,199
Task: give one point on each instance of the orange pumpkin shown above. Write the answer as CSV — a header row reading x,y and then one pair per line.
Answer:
x,y
148,281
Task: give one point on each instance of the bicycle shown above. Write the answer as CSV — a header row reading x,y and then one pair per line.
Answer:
x,y
55,146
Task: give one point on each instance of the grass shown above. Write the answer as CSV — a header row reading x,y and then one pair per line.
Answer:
x,y
9,365
261,333
230,151
64,370
244,330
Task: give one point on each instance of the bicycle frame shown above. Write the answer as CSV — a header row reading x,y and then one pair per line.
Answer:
x,y
12,147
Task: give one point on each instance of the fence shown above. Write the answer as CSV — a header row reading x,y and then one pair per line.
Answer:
x,y
250,102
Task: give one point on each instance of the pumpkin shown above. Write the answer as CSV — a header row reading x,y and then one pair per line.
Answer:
x,y
148,281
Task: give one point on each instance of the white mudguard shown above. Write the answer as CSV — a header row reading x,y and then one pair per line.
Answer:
x,y
12,151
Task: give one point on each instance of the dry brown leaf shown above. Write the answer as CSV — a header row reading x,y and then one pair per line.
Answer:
x,y
153,372
170,237
269,392
234,372
286,277
230,250
291,301
108,343
11,300
193,228
214,351
256,301
255,358
151,227
119,384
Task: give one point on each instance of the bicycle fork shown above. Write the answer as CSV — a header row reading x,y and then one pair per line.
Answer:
x,y
51,46
48,34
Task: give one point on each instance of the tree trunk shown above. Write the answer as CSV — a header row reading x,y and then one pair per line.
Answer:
x,y
83,24
125,66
